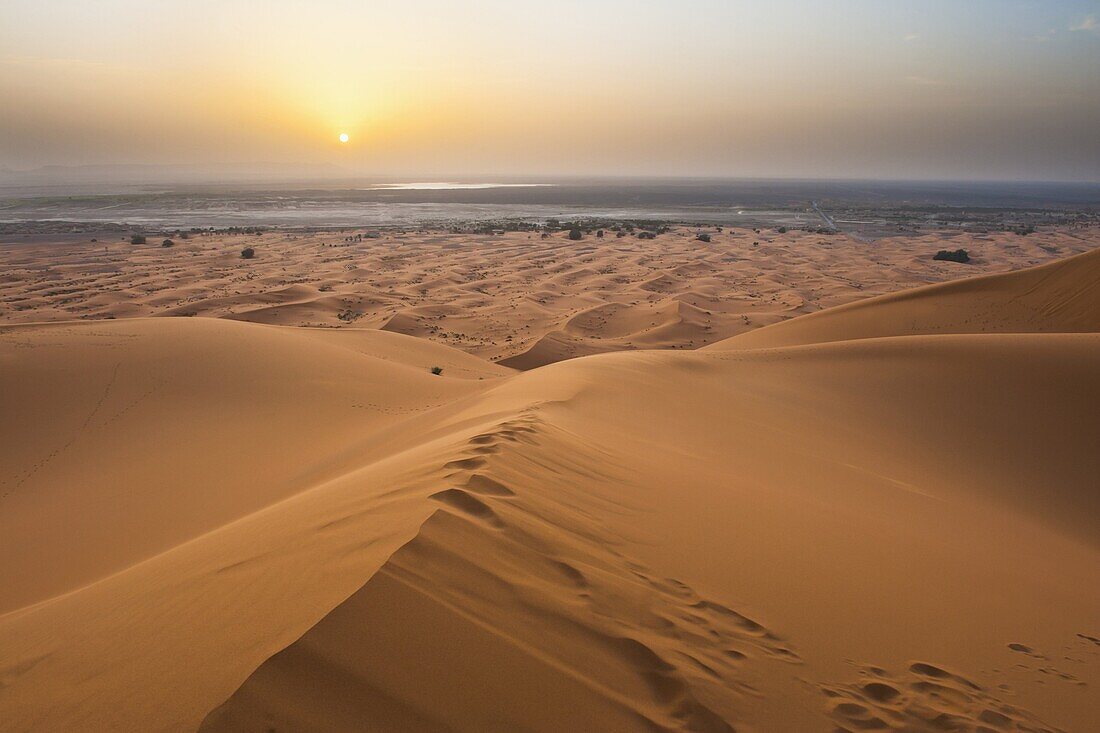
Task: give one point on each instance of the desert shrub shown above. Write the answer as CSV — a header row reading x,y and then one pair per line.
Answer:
x,y
248,253
703,237
646,235
782,230
437,370
575,234
958,255
599,234
184,235
137,239
167,243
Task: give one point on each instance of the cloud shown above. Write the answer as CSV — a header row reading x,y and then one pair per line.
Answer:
x,y
1089,24
910,37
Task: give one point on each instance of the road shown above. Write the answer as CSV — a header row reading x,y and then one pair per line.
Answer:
x,y
825,217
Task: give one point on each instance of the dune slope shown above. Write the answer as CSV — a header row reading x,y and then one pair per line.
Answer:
x,y
1060,297
126,438
714,554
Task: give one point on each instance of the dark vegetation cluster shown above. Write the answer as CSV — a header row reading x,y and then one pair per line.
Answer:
x,y
957,255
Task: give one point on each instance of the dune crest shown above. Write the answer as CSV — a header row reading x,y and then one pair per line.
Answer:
x,y
525,581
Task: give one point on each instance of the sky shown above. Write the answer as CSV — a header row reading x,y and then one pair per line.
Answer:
x,y
900,89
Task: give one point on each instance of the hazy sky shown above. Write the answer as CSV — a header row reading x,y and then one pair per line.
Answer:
x,y
974,89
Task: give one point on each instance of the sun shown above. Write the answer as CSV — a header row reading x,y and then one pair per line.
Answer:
x,y
344,137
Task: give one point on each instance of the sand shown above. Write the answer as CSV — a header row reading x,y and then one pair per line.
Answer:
x,y
880,516
514,298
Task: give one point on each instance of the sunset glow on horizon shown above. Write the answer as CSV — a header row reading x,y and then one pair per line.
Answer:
x,y
989,89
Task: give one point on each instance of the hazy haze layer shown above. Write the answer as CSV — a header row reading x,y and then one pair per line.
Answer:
x,y
859,88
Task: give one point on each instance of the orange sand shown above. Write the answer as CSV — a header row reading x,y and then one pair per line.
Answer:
x,y
882,516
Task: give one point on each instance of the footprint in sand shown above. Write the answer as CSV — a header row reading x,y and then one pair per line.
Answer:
x,y
925,698
469,505
480,484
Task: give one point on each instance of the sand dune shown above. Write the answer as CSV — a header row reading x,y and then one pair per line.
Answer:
x,y
1060,297
589,571
850,523
114,449
514,298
